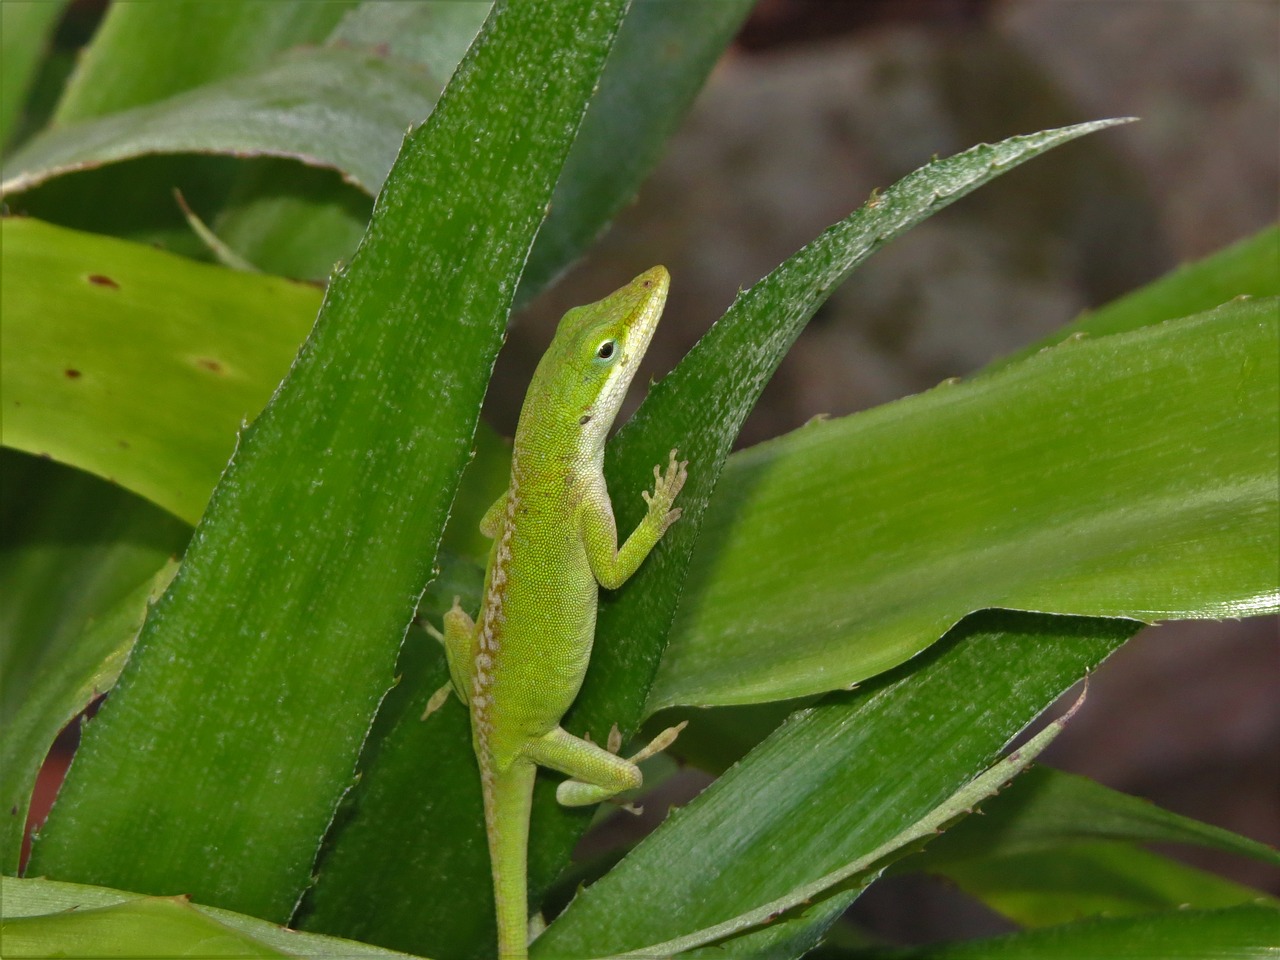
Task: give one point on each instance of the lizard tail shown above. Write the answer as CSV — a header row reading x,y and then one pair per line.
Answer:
x,y
507,799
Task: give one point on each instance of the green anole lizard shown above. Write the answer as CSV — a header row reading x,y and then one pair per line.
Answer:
x,y
519,665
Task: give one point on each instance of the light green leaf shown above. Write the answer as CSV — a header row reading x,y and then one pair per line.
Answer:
x,y
332,107
134,364
173,47
222,753
43,918
1131,475
25,30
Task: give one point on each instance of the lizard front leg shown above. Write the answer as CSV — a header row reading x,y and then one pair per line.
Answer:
x,y
610,564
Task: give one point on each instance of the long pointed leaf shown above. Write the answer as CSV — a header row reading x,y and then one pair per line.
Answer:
x,y
852,876
40,920
1090,879
295,593
1131,475
1046,808
1236,933
835,782
1244,269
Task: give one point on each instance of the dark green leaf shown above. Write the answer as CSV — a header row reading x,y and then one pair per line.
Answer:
x,y
759,932
835,782
1055,847
77,557
222,753
628,123
434,33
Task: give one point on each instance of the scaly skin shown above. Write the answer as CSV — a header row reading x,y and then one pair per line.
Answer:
x,y
520,666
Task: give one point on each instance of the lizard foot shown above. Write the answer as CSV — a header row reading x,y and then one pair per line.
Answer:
x,y
666,486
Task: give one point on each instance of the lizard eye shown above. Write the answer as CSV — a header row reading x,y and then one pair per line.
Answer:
x,y
606,350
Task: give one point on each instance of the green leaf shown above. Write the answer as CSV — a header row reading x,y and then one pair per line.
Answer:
x,y
77,559
1045,809
1236,933
1056,847
332,107
1247,268
225,747
134,364
292,220
434,33
447,827
338,108
835,783
43,918
25,31
759,927
172,47
1131,475
730,365
1087,879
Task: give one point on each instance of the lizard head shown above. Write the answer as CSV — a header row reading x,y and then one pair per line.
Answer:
x,y
594,356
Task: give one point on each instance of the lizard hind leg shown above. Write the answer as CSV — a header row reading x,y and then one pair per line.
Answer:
x,y
597,774
459,642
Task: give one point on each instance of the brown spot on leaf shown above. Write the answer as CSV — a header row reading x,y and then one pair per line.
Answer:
x,y
102,280
72,374
208,363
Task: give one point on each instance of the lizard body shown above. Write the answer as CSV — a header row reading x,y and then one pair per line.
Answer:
x,y
518,667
